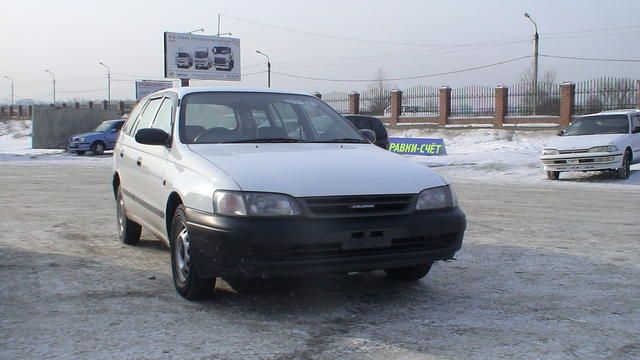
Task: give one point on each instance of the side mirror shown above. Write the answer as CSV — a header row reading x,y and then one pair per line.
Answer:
x,y
369,134
560,133
152,137
635,130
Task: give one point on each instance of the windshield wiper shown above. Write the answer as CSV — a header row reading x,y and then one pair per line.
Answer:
x,y
342,140
265,140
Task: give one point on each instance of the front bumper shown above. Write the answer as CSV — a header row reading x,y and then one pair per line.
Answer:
x,y
582,162
229,246
78,146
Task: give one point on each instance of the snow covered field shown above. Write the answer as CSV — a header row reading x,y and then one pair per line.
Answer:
x,y
474,154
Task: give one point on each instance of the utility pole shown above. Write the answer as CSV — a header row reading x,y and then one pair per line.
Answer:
x,y
54,86
218,25
268,67
12,97
535,65
108,83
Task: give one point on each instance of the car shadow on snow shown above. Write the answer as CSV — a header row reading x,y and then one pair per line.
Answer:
x,y
601,177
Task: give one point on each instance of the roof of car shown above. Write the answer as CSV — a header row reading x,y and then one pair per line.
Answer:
x,y
182,91
616,112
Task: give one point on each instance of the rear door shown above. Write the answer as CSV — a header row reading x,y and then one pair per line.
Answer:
x,y
635,138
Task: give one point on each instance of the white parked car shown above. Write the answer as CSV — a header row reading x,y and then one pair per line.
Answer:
x,y
608,140
257,183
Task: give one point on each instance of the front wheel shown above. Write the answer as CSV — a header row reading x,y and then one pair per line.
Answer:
x,y
97,148
625,170
409,273
128,231
553,175
186,279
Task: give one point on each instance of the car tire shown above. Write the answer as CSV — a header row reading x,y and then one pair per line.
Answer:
x,y
409,273
128,231
97,148
553,175
80,153
625,170
189,284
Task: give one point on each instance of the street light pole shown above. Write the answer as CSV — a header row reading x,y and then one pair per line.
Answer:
x,y
535,65
12,98
268,67
54,86
108,83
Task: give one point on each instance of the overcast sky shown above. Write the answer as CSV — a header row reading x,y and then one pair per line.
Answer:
x,y
70,38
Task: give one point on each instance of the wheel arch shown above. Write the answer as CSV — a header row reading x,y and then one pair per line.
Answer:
x,y
172,204
116,184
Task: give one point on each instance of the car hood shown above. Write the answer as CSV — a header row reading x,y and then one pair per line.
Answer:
x,y
88,134
583,141
319,169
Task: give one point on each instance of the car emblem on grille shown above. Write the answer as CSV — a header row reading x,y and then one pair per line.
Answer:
x,y
363,206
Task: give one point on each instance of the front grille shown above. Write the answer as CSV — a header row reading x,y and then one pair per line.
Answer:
x,y
368,205
220,61
575,151
269,252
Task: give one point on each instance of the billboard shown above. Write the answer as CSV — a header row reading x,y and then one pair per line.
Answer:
x,y
417,146
205,57
146,87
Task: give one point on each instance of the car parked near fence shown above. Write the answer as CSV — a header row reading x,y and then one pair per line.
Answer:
x,y
374,124
97,141
609,140
260,183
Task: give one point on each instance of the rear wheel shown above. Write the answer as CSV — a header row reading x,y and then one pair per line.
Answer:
x,y
128,231
553,175
186,279
409,273
625,170
97,148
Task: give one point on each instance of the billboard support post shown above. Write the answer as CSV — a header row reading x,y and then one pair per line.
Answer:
x,y
184,82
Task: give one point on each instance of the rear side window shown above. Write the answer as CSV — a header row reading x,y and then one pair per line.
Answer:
x,y
635,122
148,114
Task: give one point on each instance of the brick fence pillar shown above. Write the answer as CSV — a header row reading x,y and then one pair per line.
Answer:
x,y
20,111
354,103
501,105
317,94
90,104
105,105
121,107
567,98
10,111
1,111
396,106
76,105
444,107
30,111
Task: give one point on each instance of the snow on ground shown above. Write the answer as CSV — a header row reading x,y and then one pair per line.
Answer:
x,y
474,154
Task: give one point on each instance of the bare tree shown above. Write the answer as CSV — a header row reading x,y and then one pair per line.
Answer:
x,y
378,94
548,99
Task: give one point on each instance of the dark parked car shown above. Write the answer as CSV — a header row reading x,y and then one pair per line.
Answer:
x,y
102,138
371,123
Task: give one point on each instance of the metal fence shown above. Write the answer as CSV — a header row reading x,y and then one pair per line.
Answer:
x,y
605,94
375,101
339,101
521,99
420,101
473,101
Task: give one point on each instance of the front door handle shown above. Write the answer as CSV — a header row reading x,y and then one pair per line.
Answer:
x,y
139,161
121,153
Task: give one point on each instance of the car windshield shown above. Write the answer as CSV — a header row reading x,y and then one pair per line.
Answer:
x,y
221,50
228,117
105,126
201,54
183,54
592,125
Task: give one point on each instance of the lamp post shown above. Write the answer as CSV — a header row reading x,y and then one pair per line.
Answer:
x,y
268,67
10,79
108,83
535,64
54,85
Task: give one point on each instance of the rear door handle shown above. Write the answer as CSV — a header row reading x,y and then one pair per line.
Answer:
x,y
139,161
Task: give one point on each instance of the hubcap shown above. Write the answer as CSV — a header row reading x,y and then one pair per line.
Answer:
x,y
99,148
182,255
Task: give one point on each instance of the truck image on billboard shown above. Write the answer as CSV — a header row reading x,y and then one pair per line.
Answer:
x,y
205,57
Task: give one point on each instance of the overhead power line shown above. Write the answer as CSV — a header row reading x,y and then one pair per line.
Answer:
x,y
408,77
590,59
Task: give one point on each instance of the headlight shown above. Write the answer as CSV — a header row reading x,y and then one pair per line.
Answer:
x,y
608,148
233,203
82,139
550,152
437,198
